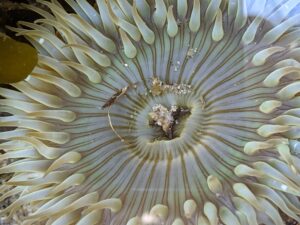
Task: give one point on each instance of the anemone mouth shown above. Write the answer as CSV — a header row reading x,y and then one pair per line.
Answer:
x,y
181,112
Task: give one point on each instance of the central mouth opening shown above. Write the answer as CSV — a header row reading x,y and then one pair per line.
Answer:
x,y
167,117
166,125
168,121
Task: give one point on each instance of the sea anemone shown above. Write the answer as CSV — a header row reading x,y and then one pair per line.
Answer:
x,y
157,112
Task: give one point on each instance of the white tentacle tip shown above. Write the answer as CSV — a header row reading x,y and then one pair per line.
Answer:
x,y
189,208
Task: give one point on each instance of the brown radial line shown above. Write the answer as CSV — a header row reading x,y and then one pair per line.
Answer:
x,y
116,68
152,49
216,68
140,71
245,139
75,102
225,177
83,144
219,158
111,75
199,163
143,53
138,101
238,72
261,72
262,95
192,38
154,157
228,18
234,147
120,128
157,36
167,181
246,53
203,171
186,58
94,89
238,150
145,59
121,61
161,184
175,196
86,115
202,42
69,128
82,134
83,80
232,126
86,96
142,155
120,103
109,86
82,123
203,60
229,155
213,73
149,180
122,118
128,138
170,58
95,149
254,119
134,176
234,93
228,42
115,175
217,107
223,111
185,179
206,29
226,78
96,168
181,33
125,213
225,18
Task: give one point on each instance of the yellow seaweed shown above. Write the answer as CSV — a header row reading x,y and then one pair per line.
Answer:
x,y
17,60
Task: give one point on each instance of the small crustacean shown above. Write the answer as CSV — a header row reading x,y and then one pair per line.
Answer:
x,y
113,99
118,94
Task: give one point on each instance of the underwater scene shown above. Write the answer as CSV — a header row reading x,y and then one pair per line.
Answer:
x,y
150,112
